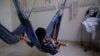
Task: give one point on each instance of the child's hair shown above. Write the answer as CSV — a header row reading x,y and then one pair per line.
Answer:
x,y
40,32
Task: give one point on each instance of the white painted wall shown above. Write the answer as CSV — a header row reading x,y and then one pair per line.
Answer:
x,y
5,14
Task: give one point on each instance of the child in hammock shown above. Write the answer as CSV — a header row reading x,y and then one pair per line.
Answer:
x,y
48,43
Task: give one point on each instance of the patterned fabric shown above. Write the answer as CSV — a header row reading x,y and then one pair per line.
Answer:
x,y
93,12
49,47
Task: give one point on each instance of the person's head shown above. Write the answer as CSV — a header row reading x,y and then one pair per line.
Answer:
x,y
40,32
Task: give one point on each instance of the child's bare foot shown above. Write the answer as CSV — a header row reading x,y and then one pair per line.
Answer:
x,y
61,43
64,44
67,44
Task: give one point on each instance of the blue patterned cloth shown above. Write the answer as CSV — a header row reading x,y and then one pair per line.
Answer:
x,y
49,47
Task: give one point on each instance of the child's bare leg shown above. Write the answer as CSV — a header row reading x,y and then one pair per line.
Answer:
x,y
62,44
55,29
25,39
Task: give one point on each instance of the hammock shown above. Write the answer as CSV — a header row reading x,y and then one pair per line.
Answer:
x,y
29,29
10,37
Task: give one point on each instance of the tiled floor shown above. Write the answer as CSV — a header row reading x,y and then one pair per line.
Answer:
x,y
21,49
75,50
